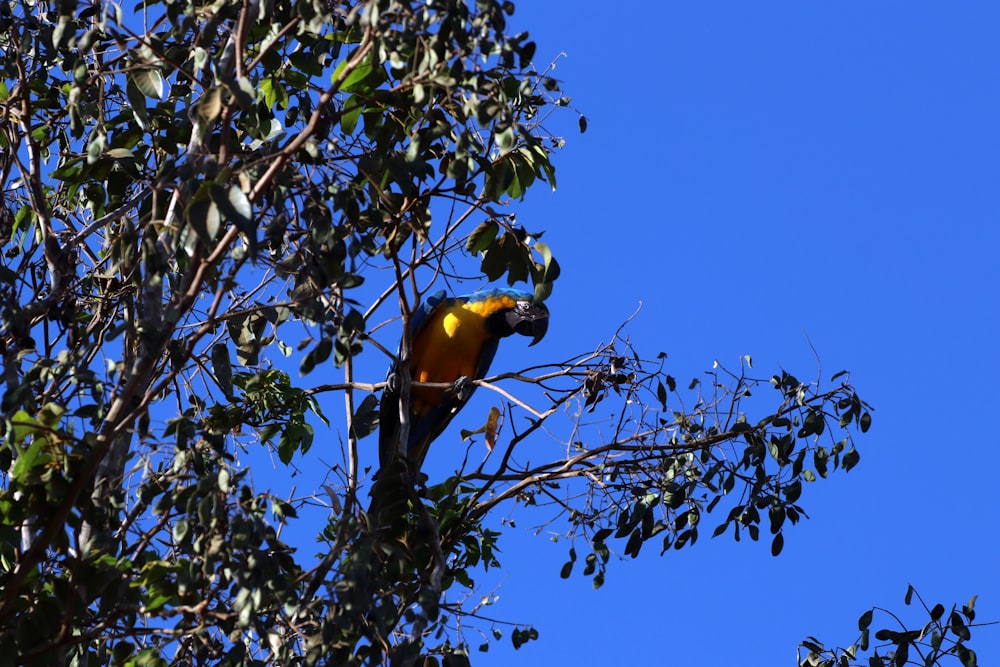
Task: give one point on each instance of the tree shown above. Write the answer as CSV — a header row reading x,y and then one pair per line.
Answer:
x,y
195,195
941,640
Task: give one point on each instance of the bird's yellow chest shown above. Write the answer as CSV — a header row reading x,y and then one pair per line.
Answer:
x,y
449,346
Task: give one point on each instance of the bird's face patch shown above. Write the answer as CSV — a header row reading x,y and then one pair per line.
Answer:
x,y
529,319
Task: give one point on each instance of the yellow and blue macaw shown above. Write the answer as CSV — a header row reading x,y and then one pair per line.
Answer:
x,y
452,340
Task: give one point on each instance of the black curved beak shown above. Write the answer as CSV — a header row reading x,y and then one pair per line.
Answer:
x,y
537,325
529,319
538,329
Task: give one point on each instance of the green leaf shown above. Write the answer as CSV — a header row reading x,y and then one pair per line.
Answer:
x,y
364,78
969,609
137,103
777,544
548,171
661,395
50,414
204,217
27,459
233,203
268,91
820,458
365,419
777,516
317,355
482,236
209,107
520,637
22,425
223,480
901,655
505,140
601,535
282,509
95,148
148,81
851,458
245,94
350,115
222,367
180,530
60,36
634,543
813,645
550,267
966,655
866,619
293,438
957,625
455,659
814,424
589,564
865,422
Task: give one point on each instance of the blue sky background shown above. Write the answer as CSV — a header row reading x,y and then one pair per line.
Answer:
x,y
754,173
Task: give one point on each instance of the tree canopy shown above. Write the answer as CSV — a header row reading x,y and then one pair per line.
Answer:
x,y
212,209
940,640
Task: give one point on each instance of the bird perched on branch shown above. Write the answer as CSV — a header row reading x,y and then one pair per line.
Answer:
x,y
452,340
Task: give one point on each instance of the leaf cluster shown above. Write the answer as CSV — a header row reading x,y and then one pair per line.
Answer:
x,y
176,197
941,640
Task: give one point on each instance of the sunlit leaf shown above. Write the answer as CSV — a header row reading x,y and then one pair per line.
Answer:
x,y
148,81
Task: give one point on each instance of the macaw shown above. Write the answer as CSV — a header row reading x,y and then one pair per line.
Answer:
x,y
452,340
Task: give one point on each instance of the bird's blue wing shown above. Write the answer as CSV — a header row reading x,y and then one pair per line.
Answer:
x,y
423,312
389,405
489,351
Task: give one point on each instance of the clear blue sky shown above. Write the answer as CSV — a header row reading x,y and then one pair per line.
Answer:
x,y
756,172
